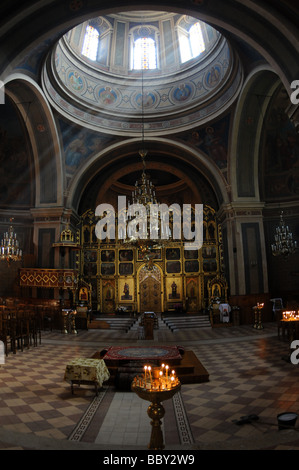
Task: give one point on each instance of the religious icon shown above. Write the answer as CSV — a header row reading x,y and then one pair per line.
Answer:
x,y
174,294
125,268
125,255
107,256
107,269
172,253
173,266
83,295
192,266
126,292
216,291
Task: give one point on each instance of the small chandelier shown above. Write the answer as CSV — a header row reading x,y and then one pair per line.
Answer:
x,y
284,244
9,248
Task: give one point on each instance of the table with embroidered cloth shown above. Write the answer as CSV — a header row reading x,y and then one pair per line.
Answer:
x,y
86,371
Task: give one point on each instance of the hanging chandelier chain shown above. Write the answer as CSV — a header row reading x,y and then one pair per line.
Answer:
x,y
142,106
142,151
144,194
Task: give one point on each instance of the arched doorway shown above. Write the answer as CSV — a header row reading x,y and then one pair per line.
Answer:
x,y
150,289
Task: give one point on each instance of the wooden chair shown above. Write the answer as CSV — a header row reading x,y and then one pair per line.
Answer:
x,y
6,332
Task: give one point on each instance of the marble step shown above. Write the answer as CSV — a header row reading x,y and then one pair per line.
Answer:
x,y
180,323
114,323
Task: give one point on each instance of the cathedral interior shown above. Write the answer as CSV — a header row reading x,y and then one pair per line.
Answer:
x,y
196,104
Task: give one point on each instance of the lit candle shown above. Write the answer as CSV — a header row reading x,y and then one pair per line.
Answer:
x,y
150,374
145,369
166,367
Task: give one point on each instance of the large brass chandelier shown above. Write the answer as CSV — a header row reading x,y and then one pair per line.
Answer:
x,y
147,230
284,244
10,247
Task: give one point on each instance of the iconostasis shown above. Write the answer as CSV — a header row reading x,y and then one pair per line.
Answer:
x,y
178,280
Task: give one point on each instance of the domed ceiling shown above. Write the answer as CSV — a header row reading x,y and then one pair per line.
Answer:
x,y
107,94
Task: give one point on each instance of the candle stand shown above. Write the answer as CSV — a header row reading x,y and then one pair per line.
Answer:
x,y
156,390
258,316
69,321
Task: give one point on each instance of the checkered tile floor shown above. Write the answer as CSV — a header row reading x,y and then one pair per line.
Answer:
x,y
248,375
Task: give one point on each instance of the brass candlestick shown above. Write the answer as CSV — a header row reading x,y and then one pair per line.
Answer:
x,y
74,331
69,321
258,316
260,308
65,322
152,391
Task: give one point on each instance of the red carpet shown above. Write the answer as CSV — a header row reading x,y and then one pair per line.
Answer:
x,y
157,354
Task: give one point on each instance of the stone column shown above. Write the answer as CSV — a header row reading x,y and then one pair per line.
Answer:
x,y
244,248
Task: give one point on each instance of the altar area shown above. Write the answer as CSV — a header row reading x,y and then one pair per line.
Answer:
x,y
179,279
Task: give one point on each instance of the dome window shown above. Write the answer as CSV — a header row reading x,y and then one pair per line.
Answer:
x,y
144,54
90,43
191,42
